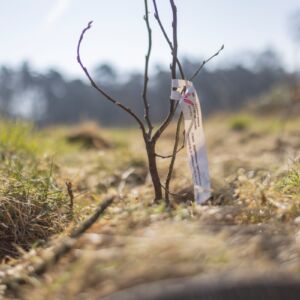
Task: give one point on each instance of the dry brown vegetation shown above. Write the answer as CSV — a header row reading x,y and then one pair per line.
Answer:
x,y
33,204
251,224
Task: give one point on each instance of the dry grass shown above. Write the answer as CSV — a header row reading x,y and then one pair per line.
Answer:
x,y
33,206
250,224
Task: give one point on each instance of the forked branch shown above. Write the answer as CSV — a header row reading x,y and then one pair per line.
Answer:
x,y
173,106
177,151
157,17
172,163
99,89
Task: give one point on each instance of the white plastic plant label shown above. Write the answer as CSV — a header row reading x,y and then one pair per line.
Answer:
x,y
184,92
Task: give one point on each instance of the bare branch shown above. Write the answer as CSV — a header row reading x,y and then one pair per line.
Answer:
x,y
173,46
146,78
205,62
165,123
175,42
171,167
64,247
173,106
156,15
100,90
171,155
177,150
69,186
123,181
168,192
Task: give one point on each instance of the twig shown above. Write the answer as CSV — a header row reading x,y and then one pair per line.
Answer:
x,y
171,155
177,151
157,17
174,47
173,107
173,71
205,62
71,196
171,167
65,247
85,225
175,42
166,122
123,181
168,192
100,90
146,78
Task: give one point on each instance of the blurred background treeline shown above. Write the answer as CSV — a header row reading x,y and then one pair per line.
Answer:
x,y
254,71
49,97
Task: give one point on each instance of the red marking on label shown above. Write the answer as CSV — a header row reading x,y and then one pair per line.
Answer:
x,y
187,100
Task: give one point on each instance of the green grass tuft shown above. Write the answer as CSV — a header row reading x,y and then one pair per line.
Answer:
x,y
16,136
33,205
290,182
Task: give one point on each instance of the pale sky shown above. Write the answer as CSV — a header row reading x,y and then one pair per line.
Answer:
x,y
45,32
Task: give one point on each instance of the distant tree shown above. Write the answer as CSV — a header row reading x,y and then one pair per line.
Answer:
x,y
107,73
268,60
6,88
62,100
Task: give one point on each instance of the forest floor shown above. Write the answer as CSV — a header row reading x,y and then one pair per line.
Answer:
x,y
251,225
